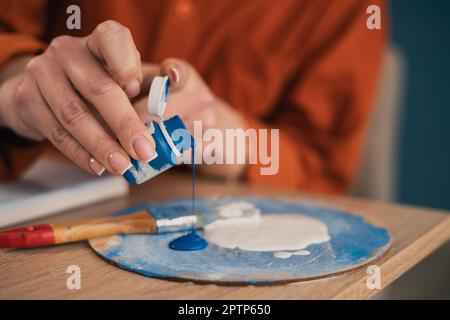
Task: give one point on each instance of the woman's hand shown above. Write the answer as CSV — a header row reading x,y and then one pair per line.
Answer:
x,y
77,95
191,99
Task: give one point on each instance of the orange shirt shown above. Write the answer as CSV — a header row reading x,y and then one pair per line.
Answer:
x,y
306,67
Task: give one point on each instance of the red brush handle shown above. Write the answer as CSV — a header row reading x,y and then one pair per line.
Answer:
x,y
27,237
141,221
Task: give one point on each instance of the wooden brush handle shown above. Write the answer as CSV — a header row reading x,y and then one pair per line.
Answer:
x,y
138,222
141,221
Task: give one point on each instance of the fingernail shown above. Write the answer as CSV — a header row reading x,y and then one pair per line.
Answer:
x,y
96,166
175,74
119,162
132,88
144,149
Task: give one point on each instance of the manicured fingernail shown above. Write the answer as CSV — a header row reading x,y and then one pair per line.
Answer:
x,y
96,166
175,74
119,162
132,88
144,149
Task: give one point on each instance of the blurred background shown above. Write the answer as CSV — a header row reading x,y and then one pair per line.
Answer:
x,y
421,30
412,144
407,154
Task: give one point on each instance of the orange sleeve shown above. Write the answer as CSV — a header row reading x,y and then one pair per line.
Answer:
x,y
21,26
22,23
323,116
14,44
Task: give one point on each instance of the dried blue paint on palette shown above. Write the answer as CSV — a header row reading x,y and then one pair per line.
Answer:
x,y
353,243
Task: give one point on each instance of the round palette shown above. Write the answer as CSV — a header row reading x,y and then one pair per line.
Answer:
x,y
351,242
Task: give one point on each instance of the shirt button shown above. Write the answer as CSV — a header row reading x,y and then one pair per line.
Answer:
x,y
184,9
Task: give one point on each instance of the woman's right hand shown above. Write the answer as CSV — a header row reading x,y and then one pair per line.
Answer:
x,y
77,95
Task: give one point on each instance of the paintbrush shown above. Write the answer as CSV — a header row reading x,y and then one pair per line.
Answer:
x,y
138,219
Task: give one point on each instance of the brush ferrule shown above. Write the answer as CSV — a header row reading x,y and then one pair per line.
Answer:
x,y
176,223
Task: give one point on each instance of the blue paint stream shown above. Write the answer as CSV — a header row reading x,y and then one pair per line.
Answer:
x,y
191,241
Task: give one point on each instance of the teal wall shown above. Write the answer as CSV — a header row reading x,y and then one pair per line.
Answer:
x,y
421,29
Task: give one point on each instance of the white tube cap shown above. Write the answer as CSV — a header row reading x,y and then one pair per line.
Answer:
x,y
157,97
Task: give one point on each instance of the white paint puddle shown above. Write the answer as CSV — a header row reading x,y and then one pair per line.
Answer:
x,y
286,234
235,209
287,254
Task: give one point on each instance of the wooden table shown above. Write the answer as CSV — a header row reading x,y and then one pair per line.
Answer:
x,y
41,273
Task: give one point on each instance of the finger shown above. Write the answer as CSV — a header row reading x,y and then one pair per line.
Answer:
x,y
113,43
178,71
77,119
92,81
39,116
12,111
187,86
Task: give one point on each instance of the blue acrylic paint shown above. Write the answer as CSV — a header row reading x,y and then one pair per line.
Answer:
x,y
191,241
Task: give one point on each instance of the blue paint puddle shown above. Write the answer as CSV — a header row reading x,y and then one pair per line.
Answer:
x,y
191,241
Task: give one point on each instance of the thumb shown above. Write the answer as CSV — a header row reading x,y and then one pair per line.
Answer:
x,y
178,72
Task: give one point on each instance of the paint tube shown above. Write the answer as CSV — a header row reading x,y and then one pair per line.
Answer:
x,y
171,137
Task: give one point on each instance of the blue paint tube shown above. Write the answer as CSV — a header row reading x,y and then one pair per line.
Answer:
x,y
171,137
